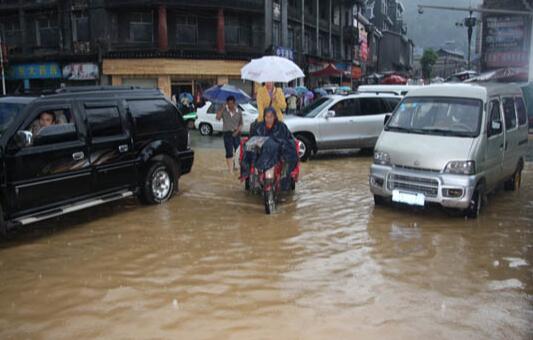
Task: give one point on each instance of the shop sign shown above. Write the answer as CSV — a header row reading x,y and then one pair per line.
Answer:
x,y
35,71
363,48
505,41
80,71
284,52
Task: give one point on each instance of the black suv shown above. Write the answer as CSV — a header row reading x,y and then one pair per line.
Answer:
x,y
81,147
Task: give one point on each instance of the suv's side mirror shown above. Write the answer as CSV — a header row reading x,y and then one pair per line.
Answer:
x,y
386,119
330,114
495,128
23,139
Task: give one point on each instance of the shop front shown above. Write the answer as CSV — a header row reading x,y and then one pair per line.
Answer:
x,y
175,76
33,77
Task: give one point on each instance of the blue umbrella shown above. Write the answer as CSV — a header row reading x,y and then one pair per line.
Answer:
x,y
344,89
220,93
289,91
301,90
320,91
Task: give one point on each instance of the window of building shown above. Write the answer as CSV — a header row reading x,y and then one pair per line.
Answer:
x,y
186,29
276,34
290,41
307,42
80,27
207,28
141,27
46,32
336,17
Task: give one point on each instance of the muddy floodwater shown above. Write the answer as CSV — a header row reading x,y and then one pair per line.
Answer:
x,y
210,264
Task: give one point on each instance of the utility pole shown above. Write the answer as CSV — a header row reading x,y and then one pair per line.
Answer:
x,y
493,11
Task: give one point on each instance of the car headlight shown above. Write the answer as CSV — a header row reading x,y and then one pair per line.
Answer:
x,y
460,167
381,158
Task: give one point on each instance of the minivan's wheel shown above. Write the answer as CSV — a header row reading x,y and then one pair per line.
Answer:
x,y
513,183
160,181
379,200
206,129
305,148
190,124
476,203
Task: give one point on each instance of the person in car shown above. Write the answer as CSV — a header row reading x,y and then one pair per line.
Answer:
x,y
232,123
45,120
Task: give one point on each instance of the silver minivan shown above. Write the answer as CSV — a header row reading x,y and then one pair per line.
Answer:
x,y
451,144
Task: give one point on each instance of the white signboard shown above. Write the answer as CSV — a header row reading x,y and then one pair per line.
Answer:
x,y
80,71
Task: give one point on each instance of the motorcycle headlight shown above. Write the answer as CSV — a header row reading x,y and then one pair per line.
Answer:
x,y
460,167
381,158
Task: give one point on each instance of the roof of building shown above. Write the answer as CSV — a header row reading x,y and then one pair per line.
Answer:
x,y
181,54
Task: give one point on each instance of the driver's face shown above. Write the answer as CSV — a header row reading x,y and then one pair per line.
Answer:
x,y
46,119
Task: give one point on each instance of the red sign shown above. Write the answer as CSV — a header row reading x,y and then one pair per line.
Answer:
x,y
364,45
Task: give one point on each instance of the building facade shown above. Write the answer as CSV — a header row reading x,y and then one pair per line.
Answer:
x,y
174,45
448,63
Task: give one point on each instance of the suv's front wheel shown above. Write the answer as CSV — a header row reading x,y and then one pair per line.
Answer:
x,y
160,181
305,148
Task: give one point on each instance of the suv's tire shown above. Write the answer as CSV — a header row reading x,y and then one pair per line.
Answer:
x,y
476,203
513,183
306,147
205,129
160,181
379,200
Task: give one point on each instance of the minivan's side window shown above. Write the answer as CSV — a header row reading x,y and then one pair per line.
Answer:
x,y
104,121
509,113
346,108
372,106
521,110
495,115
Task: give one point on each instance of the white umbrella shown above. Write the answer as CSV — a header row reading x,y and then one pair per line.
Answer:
x,y
271,69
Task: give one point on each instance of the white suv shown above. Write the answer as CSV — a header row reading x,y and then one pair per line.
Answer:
x,y
341,122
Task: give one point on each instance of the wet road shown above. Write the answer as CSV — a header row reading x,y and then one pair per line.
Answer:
x,y
210,265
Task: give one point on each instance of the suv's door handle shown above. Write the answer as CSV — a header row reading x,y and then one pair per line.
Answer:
x,y
123,148
78,156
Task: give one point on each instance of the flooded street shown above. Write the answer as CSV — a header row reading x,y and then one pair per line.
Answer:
x,y
210,264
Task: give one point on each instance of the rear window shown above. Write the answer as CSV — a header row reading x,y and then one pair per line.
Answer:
x,y
521,111
154,115
509,113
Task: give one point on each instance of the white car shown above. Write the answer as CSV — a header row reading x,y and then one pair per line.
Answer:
x,y
207,123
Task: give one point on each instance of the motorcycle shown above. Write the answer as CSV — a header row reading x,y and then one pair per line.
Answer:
x,y
267,183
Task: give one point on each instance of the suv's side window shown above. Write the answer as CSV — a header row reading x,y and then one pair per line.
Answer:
x,y
346,108
495,116
509,113
51,126
521,111
104,121
372,106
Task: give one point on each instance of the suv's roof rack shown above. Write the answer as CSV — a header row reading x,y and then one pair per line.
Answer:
x,y
382,92
74,89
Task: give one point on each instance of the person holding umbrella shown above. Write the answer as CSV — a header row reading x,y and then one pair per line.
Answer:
x,y
232,122
269,96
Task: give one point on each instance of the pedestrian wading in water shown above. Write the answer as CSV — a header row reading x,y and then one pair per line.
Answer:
x,y
231,117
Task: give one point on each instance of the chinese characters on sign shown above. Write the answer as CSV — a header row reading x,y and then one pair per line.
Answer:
x,y
505,42
36,71
285,53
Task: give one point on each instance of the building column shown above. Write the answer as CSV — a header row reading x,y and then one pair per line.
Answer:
x,y
220,31
268,23
302,35
317,26
222,80
341,24
284,23
22,24
116,80
162,41
163,83
330,18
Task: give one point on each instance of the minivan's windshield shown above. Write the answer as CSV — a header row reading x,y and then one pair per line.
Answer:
x,y
460,117
8,112
315,108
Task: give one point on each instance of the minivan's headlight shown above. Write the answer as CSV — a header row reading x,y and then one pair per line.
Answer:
x,y
381,158
461,167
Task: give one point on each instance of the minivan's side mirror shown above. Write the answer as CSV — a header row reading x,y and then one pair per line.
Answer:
x,y
23,139
495,128
387,118
330,114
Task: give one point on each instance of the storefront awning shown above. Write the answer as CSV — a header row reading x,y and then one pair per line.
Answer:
x,y
328,71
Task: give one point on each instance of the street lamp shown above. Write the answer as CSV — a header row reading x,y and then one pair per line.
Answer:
x,y
470,22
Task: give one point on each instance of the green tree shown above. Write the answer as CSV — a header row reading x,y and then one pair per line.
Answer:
x,y
429,58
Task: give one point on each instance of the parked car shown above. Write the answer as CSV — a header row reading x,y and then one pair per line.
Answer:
x,y
341,122
451,145
106,144
207,123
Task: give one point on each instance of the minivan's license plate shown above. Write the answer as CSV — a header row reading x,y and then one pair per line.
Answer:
x,y
408,198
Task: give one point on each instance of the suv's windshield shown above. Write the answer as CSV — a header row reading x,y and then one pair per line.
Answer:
x,y
315,108
438,116
8,112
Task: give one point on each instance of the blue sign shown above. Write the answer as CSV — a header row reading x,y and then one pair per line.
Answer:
x,y
35,71
284,52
